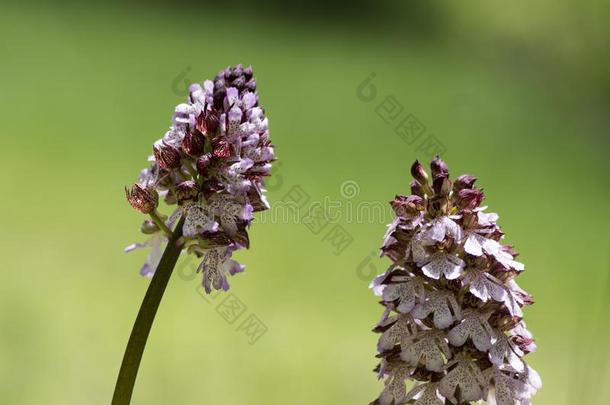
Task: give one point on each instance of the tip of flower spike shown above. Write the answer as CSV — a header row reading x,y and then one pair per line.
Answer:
x,y
418,172
454,246
438,167
219,138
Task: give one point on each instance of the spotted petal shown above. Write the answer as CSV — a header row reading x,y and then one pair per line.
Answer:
x,y
473,327
428,348
442,263
468,378
407,293
444,307
426,394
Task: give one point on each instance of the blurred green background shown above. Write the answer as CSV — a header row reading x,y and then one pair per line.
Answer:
x,y
516,93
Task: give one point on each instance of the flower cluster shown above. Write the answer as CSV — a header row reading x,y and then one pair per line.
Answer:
x,y
210,164
453,312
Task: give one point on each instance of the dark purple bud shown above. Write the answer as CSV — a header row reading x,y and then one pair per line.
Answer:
x,y
441,184
144,200
417,188
167,156
418,173
525,343
239,82
194,143
203,163
248,72
438,167
464,181
469,198
407,206
221,148
251,84
187,190
208,122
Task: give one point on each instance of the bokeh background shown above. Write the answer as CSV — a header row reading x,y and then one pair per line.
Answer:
x,y
514,92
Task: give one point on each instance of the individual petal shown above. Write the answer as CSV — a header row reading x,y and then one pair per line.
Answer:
x,y
504,350
442,305
248,100
484,286
475,327
426,394
400,332
442,263
442,227
198,218
468,378
133,247
394,391
428,348
474,244
214,271
507,389
486,219
407,293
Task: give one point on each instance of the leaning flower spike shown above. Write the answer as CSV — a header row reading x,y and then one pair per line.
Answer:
x,y
452,322
210,165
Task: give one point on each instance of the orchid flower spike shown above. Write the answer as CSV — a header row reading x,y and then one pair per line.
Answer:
x,y
453,321
210,167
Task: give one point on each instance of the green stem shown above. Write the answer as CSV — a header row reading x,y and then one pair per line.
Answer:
x,y
160,223
144,320
190,169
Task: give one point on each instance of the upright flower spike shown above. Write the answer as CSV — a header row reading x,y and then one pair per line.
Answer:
x,y
211,165
452,323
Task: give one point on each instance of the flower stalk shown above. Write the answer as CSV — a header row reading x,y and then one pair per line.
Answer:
x,y
146,315
209,168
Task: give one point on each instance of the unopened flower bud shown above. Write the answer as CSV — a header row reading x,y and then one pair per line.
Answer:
x,y
251,84
238,70
469,198
212,121
142,199
203,163
438,167
239,82
441,184
463,181
187,190
416,188
166,155
221,148
149,227
407,206
208,122
418,173
248,73
194,143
